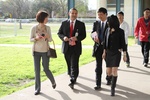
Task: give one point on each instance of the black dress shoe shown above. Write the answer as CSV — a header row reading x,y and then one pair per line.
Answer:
x,y
36,92
112,92
73,81
71,85
145,64
68,73
108,83
54,85
97,88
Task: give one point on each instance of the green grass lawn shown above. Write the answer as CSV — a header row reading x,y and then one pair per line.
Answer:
x,y
12,29
25,40
11,35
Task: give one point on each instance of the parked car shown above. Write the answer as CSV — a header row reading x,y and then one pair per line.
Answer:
x,y
25,21
9,20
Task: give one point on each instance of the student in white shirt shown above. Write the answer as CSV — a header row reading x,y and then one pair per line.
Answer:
x,y
124,25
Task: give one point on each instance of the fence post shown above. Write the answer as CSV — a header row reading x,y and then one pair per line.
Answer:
x,y
15,25
20,24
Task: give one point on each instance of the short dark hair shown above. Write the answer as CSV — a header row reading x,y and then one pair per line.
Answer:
x,y
103,10
121,13
113,22
73,9
146,9
41,15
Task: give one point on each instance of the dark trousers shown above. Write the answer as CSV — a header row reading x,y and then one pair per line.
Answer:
x,y
72,60
45,62
127,55
98,70
145,50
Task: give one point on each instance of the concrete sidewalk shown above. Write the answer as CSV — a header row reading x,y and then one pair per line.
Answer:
x,y
133,84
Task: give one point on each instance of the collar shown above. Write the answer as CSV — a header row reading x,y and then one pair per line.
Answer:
x,y
73,21
103,21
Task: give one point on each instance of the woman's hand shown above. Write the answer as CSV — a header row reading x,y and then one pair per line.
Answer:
x,y
124,58
38,37
103,55
46,36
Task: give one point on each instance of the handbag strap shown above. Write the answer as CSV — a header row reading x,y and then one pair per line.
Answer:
x,y
35,41
53,44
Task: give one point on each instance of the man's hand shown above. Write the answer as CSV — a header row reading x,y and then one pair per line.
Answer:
x,y
66,39
96,39
73,38
136,37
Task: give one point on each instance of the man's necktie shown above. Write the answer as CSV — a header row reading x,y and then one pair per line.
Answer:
x,y
102,28
102,31
71,29
71,42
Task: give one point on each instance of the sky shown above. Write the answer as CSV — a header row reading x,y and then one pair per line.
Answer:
x,y
92,4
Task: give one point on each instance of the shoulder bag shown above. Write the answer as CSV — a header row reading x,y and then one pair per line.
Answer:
x,y
51,51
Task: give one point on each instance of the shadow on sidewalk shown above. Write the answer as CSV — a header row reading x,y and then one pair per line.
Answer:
x,y
64,95
122,92
144,72
46,96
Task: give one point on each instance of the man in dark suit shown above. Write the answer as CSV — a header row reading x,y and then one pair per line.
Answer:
x,y
98,32
72,32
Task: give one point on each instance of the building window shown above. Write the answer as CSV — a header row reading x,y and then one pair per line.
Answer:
x,y
111,6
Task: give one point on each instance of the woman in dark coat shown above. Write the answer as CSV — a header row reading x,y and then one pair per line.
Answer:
x,y
114,44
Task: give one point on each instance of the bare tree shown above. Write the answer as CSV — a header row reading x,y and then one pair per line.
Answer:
x,y
48,5
18,8
62,7
29,8
82,7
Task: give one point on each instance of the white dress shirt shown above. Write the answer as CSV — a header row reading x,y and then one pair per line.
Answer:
x,y
105,22
73,23
124,25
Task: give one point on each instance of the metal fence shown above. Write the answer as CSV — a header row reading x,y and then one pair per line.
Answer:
x,y
51,20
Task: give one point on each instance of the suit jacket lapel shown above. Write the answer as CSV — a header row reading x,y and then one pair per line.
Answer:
x,y
75,27
106,26
68,28
98,27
